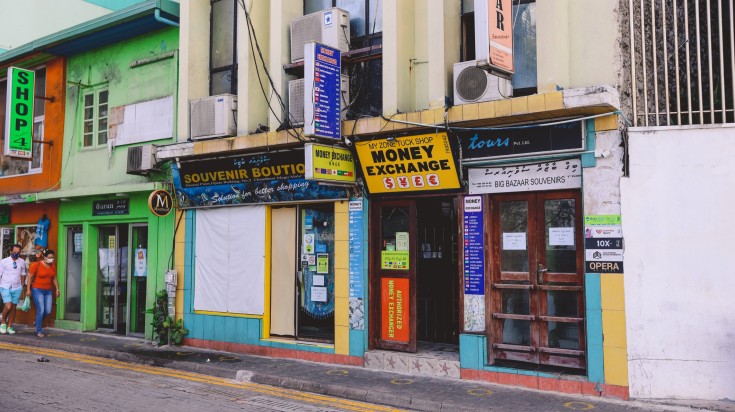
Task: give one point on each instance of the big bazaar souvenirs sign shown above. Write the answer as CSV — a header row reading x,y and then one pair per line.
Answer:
x,y
408,164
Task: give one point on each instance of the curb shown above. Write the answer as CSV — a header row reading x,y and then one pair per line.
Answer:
x,y
383,398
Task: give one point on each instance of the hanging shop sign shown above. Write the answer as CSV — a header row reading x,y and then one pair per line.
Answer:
x,y
408,164
493,144
322,91
247,179
560,174
328,163
395,301
603,241
494,33
111,207
160,203
474,265
19,113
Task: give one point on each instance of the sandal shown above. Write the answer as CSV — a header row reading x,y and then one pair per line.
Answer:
x,y
40,335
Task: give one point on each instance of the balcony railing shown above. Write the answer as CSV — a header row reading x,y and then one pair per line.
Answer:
x,y
682,55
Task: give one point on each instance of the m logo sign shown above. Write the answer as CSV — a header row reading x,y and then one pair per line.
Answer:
x,y
160,203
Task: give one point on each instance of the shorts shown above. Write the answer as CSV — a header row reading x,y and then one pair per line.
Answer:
x,y
11,295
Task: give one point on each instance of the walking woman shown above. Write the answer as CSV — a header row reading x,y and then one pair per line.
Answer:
x,y
42,276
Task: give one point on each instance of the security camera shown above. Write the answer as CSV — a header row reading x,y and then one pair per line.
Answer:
x,y
348,142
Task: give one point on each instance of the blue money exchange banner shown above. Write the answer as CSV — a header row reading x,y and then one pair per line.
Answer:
x,y
248,179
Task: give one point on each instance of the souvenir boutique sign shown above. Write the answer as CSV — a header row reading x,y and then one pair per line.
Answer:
x,y
483,144
408,164
247,179
561,174
329,163
19,113
111,207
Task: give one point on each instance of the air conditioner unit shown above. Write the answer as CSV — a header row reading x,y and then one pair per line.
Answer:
x,y
473,84
296,99
330,27
142,159
214,116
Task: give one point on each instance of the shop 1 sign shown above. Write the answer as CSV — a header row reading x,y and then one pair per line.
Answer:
x,y
111,207
328,163
19,113
395,301
408,164
322,91
160,203
561,174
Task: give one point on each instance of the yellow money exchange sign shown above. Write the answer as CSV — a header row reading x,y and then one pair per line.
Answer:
x,y
408,164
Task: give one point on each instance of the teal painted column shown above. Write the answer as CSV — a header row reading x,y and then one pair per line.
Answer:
x,y
593,303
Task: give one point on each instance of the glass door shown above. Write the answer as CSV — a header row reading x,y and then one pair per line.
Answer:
x,y
112,252
315,292
537,280
394,275
138,278
73,284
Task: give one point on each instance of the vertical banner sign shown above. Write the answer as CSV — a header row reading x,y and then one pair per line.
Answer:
x,y
356,233
501,35
474,265
19,113
322,91
603,244
395,301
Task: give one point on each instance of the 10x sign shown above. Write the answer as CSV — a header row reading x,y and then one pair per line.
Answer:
x,y
19,113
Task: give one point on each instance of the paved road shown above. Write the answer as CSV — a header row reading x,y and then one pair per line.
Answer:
x,y
73,382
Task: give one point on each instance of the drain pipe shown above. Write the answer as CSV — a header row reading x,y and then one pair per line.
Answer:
x,y
157,16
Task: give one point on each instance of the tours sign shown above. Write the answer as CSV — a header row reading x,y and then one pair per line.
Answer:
x,y
408,164
19,113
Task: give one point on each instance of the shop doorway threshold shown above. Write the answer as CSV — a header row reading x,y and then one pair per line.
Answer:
x,y
431,359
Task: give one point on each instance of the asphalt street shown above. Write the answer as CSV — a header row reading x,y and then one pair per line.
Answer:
x,y
35,381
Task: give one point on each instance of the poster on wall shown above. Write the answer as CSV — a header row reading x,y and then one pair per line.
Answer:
x,y
474,265
141,263
603,241
395,301
392,259
247,179
25,237
356,263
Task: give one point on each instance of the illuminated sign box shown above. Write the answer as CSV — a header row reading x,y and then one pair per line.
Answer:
x,y
328,164
408,164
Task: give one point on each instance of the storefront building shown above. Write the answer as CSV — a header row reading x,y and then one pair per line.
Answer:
x,y
119,92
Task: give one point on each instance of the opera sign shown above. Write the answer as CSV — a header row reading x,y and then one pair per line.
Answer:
x,y
160,203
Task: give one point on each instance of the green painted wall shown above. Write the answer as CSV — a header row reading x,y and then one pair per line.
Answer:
x,y
160,246
110,67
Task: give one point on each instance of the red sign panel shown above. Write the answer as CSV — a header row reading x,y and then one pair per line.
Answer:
x,y
500,19
395,305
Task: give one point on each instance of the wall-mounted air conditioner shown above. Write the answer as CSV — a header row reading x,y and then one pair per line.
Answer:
x,y
473,84
214,116
142,160
296,99
330,27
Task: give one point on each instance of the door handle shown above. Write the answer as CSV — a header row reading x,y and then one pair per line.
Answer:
x,y
540,274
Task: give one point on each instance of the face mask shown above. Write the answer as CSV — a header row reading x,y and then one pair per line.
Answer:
x,y
15,255
49,260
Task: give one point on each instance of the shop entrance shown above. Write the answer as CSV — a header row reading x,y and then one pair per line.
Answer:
x,y
536,305
302,272
414,273
122,278
73,284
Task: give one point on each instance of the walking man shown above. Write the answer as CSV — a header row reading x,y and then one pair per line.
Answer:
x,y
12,278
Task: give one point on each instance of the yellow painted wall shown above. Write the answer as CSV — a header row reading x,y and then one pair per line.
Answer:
x,y
341,279
193,60
614,343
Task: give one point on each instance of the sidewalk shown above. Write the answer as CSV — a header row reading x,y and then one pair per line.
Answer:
x,y
401,391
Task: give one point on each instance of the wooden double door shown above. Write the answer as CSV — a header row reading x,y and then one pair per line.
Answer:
x,y
535,310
